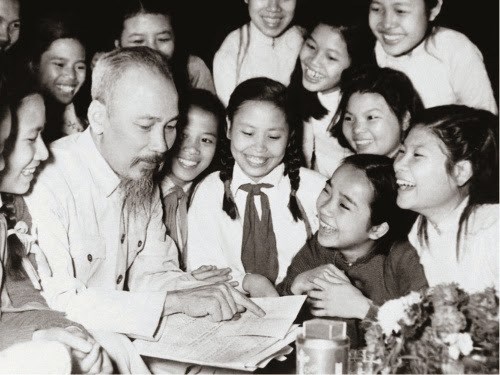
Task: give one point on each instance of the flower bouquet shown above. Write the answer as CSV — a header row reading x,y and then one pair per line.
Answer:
x,y
440,330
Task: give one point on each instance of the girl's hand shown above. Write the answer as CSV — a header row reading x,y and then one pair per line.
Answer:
x,y
212,274
341,300
259,286
303,282
86,354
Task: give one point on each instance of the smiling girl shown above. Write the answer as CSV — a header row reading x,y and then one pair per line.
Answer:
x,y
256,213
194,155
447,171
335,43
358,259
57,61
443,64
376,110
267,46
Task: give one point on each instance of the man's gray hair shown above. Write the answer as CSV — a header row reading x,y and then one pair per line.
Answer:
x,y
112,65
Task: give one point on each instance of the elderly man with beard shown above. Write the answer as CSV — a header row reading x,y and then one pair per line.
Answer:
x,y
99,215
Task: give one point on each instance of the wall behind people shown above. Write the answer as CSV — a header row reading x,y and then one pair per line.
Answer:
x,y
206,23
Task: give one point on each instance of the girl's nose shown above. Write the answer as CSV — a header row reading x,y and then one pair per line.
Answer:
x,y
388,20
261,144
41,153
399,162
273,5
357,127
315,59
69,71
191,146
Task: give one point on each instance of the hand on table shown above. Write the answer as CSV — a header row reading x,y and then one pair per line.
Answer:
x,y
218,301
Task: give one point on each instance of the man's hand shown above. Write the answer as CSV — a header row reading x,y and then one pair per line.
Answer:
x,y
335,299
303,282
212,274
219,301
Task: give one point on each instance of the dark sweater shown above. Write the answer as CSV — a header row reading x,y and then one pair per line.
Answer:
x,y
380,277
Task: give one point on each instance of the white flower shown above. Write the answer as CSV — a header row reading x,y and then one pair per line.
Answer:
x,y
458,343
391,312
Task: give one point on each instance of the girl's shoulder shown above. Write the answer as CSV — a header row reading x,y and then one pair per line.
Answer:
x,y
211,185
483,218
232,40
449,40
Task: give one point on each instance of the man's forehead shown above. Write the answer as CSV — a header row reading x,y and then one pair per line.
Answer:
x,y
9,8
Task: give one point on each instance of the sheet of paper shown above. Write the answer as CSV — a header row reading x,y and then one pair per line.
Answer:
x,y
200,341
280,314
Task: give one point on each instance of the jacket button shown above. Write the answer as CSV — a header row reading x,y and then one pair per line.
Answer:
x,y
122,239
89,257
119,279
139,244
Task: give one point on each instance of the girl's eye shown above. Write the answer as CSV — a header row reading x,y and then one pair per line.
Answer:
x,y
207,140
310,45
372,117
331,58
344,206
401,151
59,64
417,155
374,8
15,26
137,42
275,137
247,133
171,127
401,11
347,118
81,67
164,40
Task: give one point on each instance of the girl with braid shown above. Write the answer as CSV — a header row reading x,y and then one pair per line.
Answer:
x,y
256,213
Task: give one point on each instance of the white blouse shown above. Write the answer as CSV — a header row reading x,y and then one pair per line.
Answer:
x,y
477,265
317,139
215,239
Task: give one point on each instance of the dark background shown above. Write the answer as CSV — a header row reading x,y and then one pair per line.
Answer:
x,y
205,23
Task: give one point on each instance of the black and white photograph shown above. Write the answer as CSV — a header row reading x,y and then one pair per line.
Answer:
x,y
249,186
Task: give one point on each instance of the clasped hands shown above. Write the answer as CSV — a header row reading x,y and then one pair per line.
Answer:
x,y
330,293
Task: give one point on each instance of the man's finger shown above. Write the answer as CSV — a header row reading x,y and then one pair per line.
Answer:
x,y
93,359
229,301
241,300
74,341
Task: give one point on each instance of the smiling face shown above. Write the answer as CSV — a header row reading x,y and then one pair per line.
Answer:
x,y
10,23
197,149
62,69
323,58
150,30
370,126
399,25
259,136
425,185
271,17
344,211
27,150
138,125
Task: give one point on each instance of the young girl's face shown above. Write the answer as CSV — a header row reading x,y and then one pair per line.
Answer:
x,y
370,126
424,183
271,17
151,30
259,136
323,58
198,144
62,69
344,209
399,25
28,149
5,127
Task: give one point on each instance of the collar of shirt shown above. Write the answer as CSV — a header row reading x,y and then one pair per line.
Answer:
x,y
257,36
239,178
167,184
104,176
331,100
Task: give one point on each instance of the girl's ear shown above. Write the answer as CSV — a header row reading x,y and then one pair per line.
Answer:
x,y
435,11
117,43
462,172
228,131
97,116
406,121
378,231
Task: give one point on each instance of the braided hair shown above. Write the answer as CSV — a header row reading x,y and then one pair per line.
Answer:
x,y
265,90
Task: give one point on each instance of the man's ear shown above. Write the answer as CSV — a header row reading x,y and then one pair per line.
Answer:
x,y
462,172
406,121
117,44
377,231
228,130
436,10
97,115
